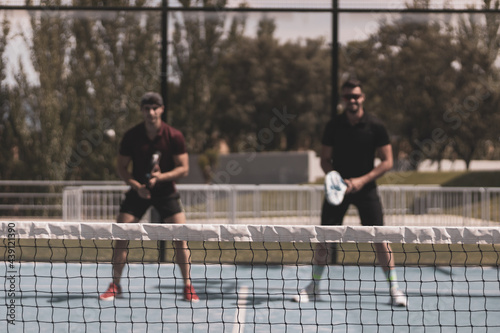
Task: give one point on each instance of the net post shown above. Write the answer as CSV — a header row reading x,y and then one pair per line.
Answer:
x,y
155,218
333,253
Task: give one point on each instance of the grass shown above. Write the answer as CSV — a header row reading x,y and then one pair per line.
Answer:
x,y
452,178
244,253
418,178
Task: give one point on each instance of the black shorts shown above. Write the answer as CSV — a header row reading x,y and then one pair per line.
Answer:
x,y
166,206
366,201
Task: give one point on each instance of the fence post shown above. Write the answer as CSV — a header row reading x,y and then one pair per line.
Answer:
x,y
256,202
485,204
232,204
72,204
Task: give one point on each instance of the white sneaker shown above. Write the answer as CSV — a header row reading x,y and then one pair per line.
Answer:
x,y
305,295
398,298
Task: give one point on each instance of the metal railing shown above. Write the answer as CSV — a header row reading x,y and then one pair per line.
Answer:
x,y
28,199
251,204
298,204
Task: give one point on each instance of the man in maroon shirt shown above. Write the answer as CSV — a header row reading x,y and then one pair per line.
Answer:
x,y
152,185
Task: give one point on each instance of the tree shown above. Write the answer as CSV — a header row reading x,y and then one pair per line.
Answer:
x,y
423,77
419,85
197,51
272,96
472,111
43,116
9,148
89,82
115,60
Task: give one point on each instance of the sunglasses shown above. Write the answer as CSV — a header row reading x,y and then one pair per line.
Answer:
x,y
351,96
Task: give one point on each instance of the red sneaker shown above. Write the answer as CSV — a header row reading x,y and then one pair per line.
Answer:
x,y
190,294
114,291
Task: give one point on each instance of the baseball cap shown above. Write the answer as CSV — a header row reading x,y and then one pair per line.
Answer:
x,y
151,98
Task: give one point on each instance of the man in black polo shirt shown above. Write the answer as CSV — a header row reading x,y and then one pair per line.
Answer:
x,y
350,143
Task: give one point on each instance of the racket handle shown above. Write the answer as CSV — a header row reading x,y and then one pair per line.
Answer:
x,y
155,160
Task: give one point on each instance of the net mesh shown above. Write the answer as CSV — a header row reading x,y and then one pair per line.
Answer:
x,y
246,277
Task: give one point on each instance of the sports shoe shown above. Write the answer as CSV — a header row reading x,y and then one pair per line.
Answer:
x,y
306,295
114,291
398,298
190,294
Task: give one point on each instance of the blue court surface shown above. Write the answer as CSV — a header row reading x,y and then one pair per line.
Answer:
x,y
237,298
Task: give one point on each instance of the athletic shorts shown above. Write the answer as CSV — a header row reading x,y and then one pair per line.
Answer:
x,y
166,206
366,201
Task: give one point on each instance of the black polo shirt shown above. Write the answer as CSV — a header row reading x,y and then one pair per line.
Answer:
x,y
354,147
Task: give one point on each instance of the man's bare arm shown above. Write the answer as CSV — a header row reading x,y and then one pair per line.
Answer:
x,y
180,170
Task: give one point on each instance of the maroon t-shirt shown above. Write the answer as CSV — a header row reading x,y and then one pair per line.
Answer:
x,y
136,144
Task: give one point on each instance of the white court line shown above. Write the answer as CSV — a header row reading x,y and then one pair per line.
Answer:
x,y
241,310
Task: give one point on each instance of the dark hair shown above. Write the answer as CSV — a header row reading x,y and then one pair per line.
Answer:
x,y
351,84
151,98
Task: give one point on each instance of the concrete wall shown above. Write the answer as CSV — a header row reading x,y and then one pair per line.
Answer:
x,y
293,168
260,168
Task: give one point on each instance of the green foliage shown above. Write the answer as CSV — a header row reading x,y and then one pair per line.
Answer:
x,y
89,82
476,179
433,81
451,178
207,162
432,78
418,178
114,62
231,88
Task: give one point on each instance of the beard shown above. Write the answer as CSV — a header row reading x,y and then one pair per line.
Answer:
x,y
352,108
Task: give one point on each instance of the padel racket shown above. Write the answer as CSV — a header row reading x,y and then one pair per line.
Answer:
x,y
155,160
335,188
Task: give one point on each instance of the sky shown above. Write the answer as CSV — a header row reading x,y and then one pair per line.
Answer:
x,y
293,25
16,48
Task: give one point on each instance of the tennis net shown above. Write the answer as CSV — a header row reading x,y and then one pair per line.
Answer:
x,y
246,277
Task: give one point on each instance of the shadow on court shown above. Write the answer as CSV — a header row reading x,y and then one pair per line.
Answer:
x,y
228,291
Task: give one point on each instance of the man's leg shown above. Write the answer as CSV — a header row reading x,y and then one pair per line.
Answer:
x,y
384,256
371,214
386,261
183,258
120,252
330,215
321,258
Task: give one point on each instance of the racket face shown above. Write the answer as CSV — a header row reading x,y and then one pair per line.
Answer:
x,y
155,159
335,188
